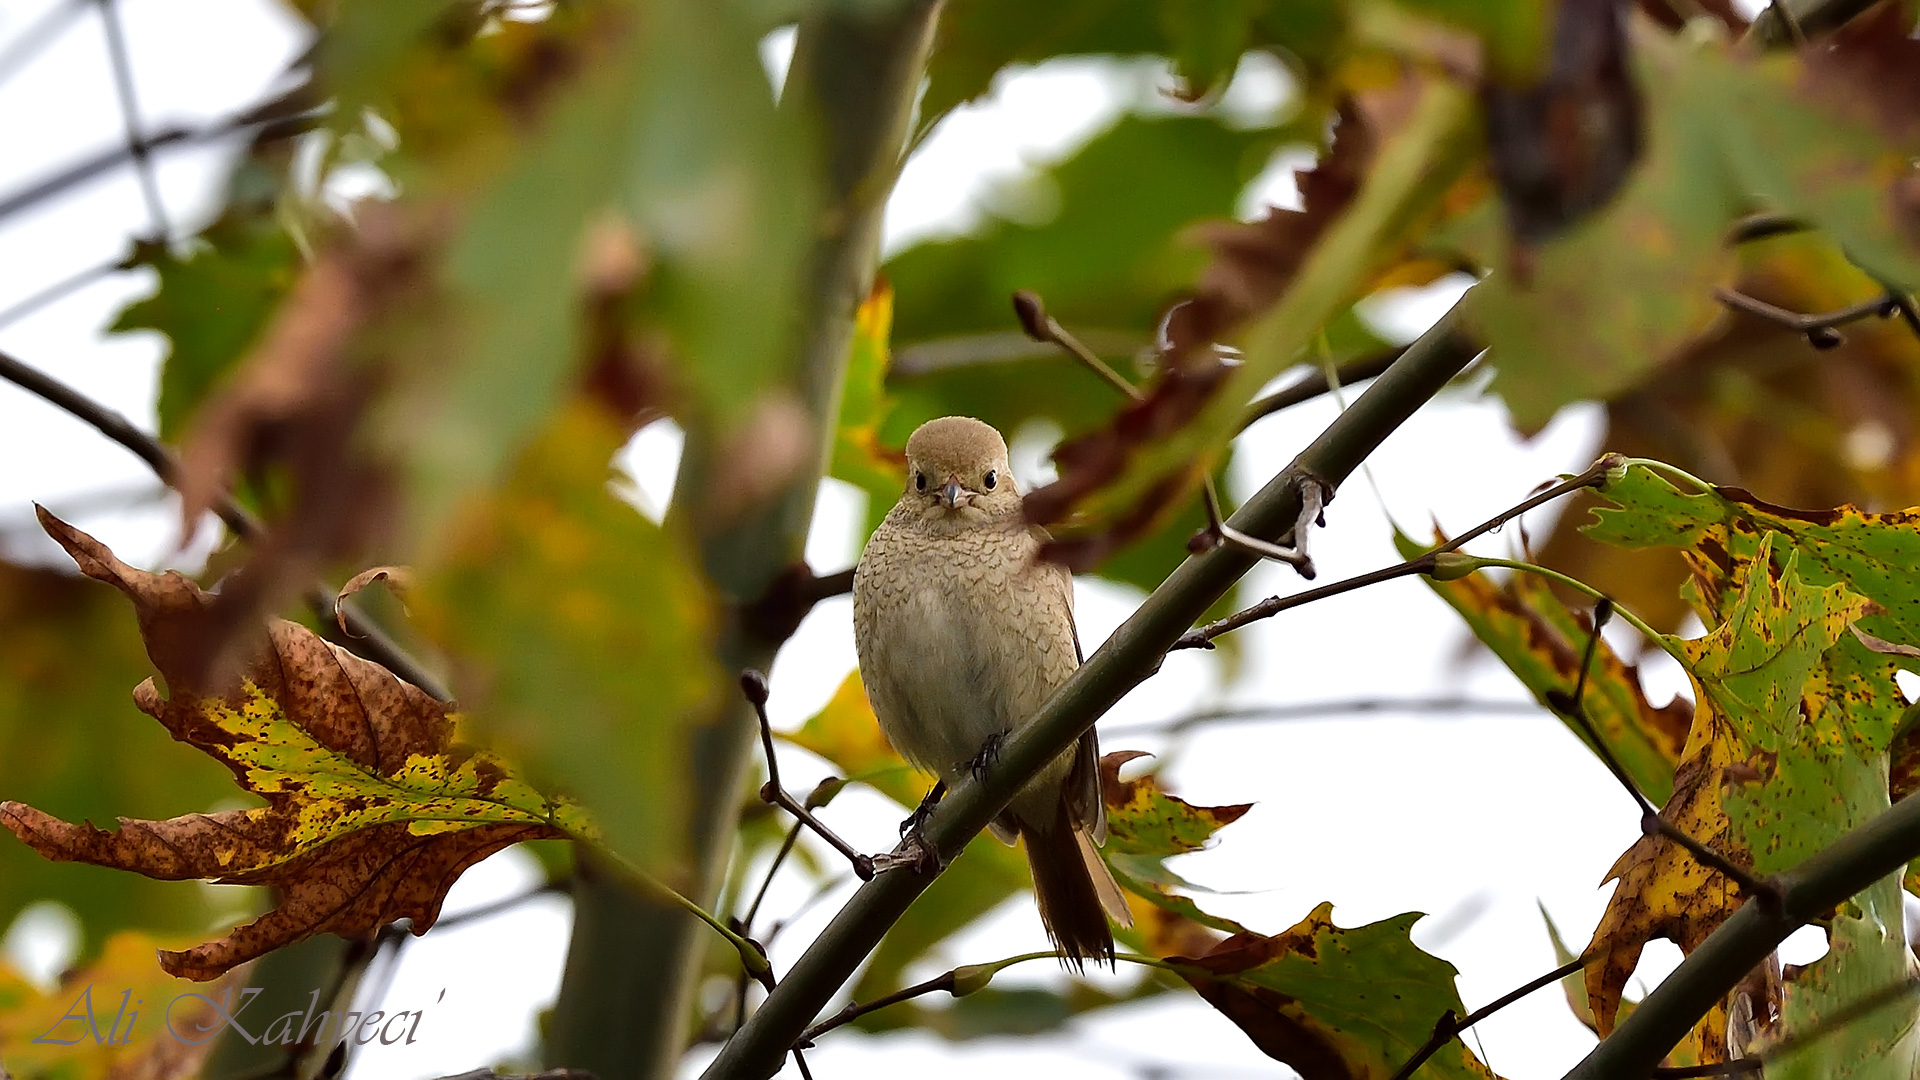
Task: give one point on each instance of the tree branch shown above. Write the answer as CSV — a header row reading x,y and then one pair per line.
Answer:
x,y
1128,656
1447,1027
359,635
1854,862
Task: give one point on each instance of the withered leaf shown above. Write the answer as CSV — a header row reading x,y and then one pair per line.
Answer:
x,y
399,580
372,810
1253,265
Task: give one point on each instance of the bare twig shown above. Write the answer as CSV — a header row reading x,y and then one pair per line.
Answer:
x,y
1448,1027
27,43
361,636
130,114
1820,328
1041,326
282,117
59,289
754,685
854,1011
1573,706
1202,637
1321,710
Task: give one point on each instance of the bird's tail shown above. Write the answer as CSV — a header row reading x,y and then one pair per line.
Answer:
x,y
1075,890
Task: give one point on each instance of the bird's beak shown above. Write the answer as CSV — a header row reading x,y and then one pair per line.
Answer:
x,y
950,494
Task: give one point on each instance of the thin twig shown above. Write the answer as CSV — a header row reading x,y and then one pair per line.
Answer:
x,y
130,114
766,881
1202,637
1819,329
30,41
1574,708
282,117
1041,326
502,905
47,295
1447,1027
854,1011
361,636
1314,383
754,685
1321,710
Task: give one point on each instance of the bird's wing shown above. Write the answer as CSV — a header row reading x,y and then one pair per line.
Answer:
x,y
1083,792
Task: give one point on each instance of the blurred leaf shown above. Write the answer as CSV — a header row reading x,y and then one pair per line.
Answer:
x,y
846,733
371,814
114,1019
212,303
1561,141
1331,1002
1597,310
71,743
860,457
979,37
551,595
1542,642
1106,261
1751,402
1125,475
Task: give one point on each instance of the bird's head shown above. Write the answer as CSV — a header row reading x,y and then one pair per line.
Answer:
x,y
957,470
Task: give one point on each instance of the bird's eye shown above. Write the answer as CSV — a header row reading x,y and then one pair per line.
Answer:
x,y
919,480
992,478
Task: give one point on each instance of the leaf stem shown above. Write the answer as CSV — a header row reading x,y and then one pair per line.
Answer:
x,y
1667,642
752,957
1447,1027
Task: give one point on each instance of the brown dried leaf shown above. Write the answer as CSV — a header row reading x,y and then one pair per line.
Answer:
x,y
1253,265
399,580
372,811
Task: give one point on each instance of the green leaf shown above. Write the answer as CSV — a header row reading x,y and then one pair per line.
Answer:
x,y
1866,955
1335,1002
1596,311
1795,716
212,303
980,37
552,593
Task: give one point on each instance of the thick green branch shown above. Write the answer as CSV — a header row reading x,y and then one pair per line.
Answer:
x,y
1880,847
1128,657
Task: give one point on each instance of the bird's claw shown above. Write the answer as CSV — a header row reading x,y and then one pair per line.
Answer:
x,y
989,756
916,820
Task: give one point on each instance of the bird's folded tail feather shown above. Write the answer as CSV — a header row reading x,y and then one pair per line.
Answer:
x,y
1074,889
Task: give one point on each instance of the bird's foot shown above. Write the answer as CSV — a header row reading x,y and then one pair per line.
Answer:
x,y
916,820
989,756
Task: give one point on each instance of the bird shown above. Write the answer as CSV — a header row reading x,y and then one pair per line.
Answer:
x,y
962,634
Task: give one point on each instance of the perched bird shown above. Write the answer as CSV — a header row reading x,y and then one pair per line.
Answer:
x,y
963,634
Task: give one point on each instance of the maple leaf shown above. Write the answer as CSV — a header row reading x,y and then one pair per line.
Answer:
x,y
1795,715
1335,1003
372,810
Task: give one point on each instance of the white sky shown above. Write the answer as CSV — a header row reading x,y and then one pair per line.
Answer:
x,y
1474,819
